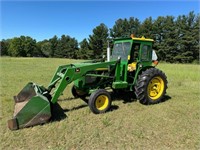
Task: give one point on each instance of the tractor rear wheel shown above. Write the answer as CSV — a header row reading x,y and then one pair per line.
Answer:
x,y
151,86
100,101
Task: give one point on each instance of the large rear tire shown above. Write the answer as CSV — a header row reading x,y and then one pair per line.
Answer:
x,y
100,101
151,86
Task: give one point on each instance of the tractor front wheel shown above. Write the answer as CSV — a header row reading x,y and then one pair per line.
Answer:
x,y
100,101
151,86
78,93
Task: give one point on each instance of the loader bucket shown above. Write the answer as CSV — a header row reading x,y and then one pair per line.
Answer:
x,y
32,107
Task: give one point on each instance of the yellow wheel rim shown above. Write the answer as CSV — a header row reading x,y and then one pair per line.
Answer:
x,y
155,88
101,102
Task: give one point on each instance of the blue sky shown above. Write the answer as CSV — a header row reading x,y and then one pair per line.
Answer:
x,y
44,19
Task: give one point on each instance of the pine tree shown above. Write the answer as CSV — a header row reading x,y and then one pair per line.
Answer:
x,y
66,47
158,32
125,27
146,28
85,50
54,43
169,35
98,41
188,40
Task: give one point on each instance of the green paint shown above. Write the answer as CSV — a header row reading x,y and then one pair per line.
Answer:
x,y
88,77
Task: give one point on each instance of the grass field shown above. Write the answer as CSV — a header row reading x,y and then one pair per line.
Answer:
x,y
173,124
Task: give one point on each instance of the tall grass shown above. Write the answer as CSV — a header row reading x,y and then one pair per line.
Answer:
x,y
173,124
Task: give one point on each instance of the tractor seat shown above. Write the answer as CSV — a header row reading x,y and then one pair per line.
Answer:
x,y
132,66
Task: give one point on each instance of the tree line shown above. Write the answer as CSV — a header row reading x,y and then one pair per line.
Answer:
x,y
176,40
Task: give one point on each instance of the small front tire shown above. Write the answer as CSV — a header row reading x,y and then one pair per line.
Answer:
x,y
100,101
78,93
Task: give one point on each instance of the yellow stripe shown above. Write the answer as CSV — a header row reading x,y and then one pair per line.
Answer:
x,y
142,39
102,69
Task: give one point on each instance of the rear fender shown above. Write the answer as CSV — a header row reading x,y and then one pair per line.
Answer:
x,y
139,71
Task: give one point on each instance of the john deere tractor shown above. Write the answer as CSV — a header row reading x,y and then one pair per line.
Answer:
x,y
131,67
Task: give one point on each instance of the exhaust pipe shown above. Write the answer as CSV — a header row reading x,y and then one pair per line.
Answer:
x,y
108,52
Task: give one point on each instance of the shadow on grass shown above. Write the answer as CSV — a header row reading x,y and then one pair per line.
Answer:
x,y
126,97
113,108
67,99
129,97
57,112
166,98
75,108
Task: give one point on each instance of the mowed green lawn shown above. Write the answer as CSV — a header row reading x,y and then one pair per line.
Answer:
x,y
173,124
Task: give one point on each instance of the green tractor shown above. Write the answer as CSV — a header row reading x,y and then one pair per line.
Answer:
x,y
131,67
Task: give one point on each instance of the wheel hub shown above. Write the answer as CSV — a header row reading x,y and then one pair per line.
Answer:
x,y
155,88
101,102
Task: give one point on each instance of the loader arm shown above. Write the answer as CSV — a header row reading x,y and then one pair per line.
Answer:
x,y
69,73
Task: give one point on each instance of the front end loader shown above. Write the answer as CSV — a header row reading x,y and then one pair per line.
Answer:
x,y
34,103
131,67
